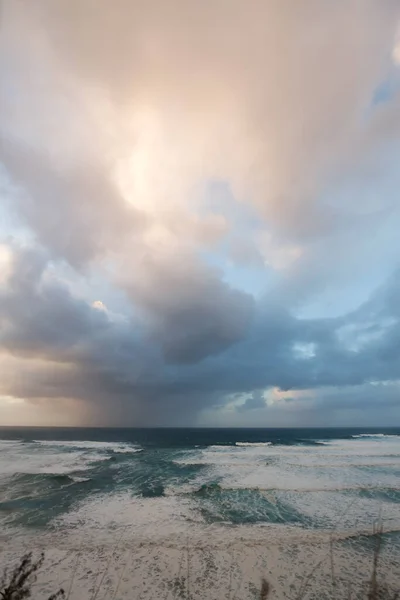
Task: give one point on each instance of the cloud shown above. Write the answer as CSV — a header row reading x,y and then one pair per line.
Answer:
x,y
255,401
116,123
79,214
5,264
191,311
260,95
58,348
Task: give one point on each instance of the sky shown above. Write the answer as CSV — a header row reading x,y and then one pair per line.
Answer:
x,y
199,212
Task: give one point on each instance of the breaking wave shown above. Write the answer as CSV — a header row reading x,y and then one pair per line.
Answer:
x,y
255,444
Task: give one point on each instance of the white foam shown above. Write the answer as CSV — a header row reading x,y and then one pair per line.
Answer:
x,y
239,453
318,481
150,517
334,508
336,466
375,435
49,463
90,445
255,444
7,444
34,458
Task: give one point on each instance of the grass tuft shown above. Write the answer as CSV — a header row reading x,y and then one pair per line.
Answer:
x,y
265,589
17,584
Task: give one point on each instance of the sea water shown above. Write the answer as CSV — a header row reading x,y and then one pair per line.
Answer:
x,y
158,480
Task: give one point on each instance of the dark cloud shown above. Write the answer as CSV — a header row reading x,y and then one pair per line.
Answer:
x,y
192,313
117,369
40,317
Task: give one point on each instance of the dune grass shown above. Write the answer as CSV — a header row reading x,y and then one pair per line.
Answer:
x,y
17,584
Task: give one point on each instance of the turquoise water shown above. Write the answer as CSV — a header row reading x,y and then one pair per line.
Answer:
x,y
310,479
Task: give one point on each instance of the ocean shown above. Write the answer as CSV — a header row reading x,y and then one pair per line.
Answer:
x,y
306,478
153,485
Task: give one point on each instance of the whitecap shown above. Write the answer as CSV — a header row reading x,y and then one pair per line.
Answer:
x,y
119,447
255,444
375,435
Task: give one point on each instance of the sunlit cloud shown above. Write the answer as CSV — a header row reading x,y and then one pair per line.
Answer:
x,y
5,264
396,48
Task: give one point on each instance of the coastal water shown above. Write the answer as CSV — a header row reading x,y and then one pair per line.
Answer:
x,y
159,480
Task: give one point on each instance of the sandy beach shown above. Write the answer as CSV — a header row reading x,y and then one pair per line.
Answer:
x,y
214,563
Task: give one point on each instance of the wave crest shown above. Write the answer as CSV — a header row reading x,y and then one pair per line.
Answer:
x,y
255,444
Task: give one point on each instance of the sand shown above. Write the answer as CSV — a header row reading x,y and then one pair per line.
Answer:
x,y
217,562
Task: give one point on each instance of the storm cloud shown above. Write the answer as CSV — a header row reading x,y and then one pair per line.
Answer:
x,y
199,212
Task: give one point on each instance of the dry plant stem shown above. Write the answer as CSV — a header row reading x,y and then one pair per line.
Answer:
x,y
19,585
265,589
188,570
75,569
119,580
373,593
332,563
